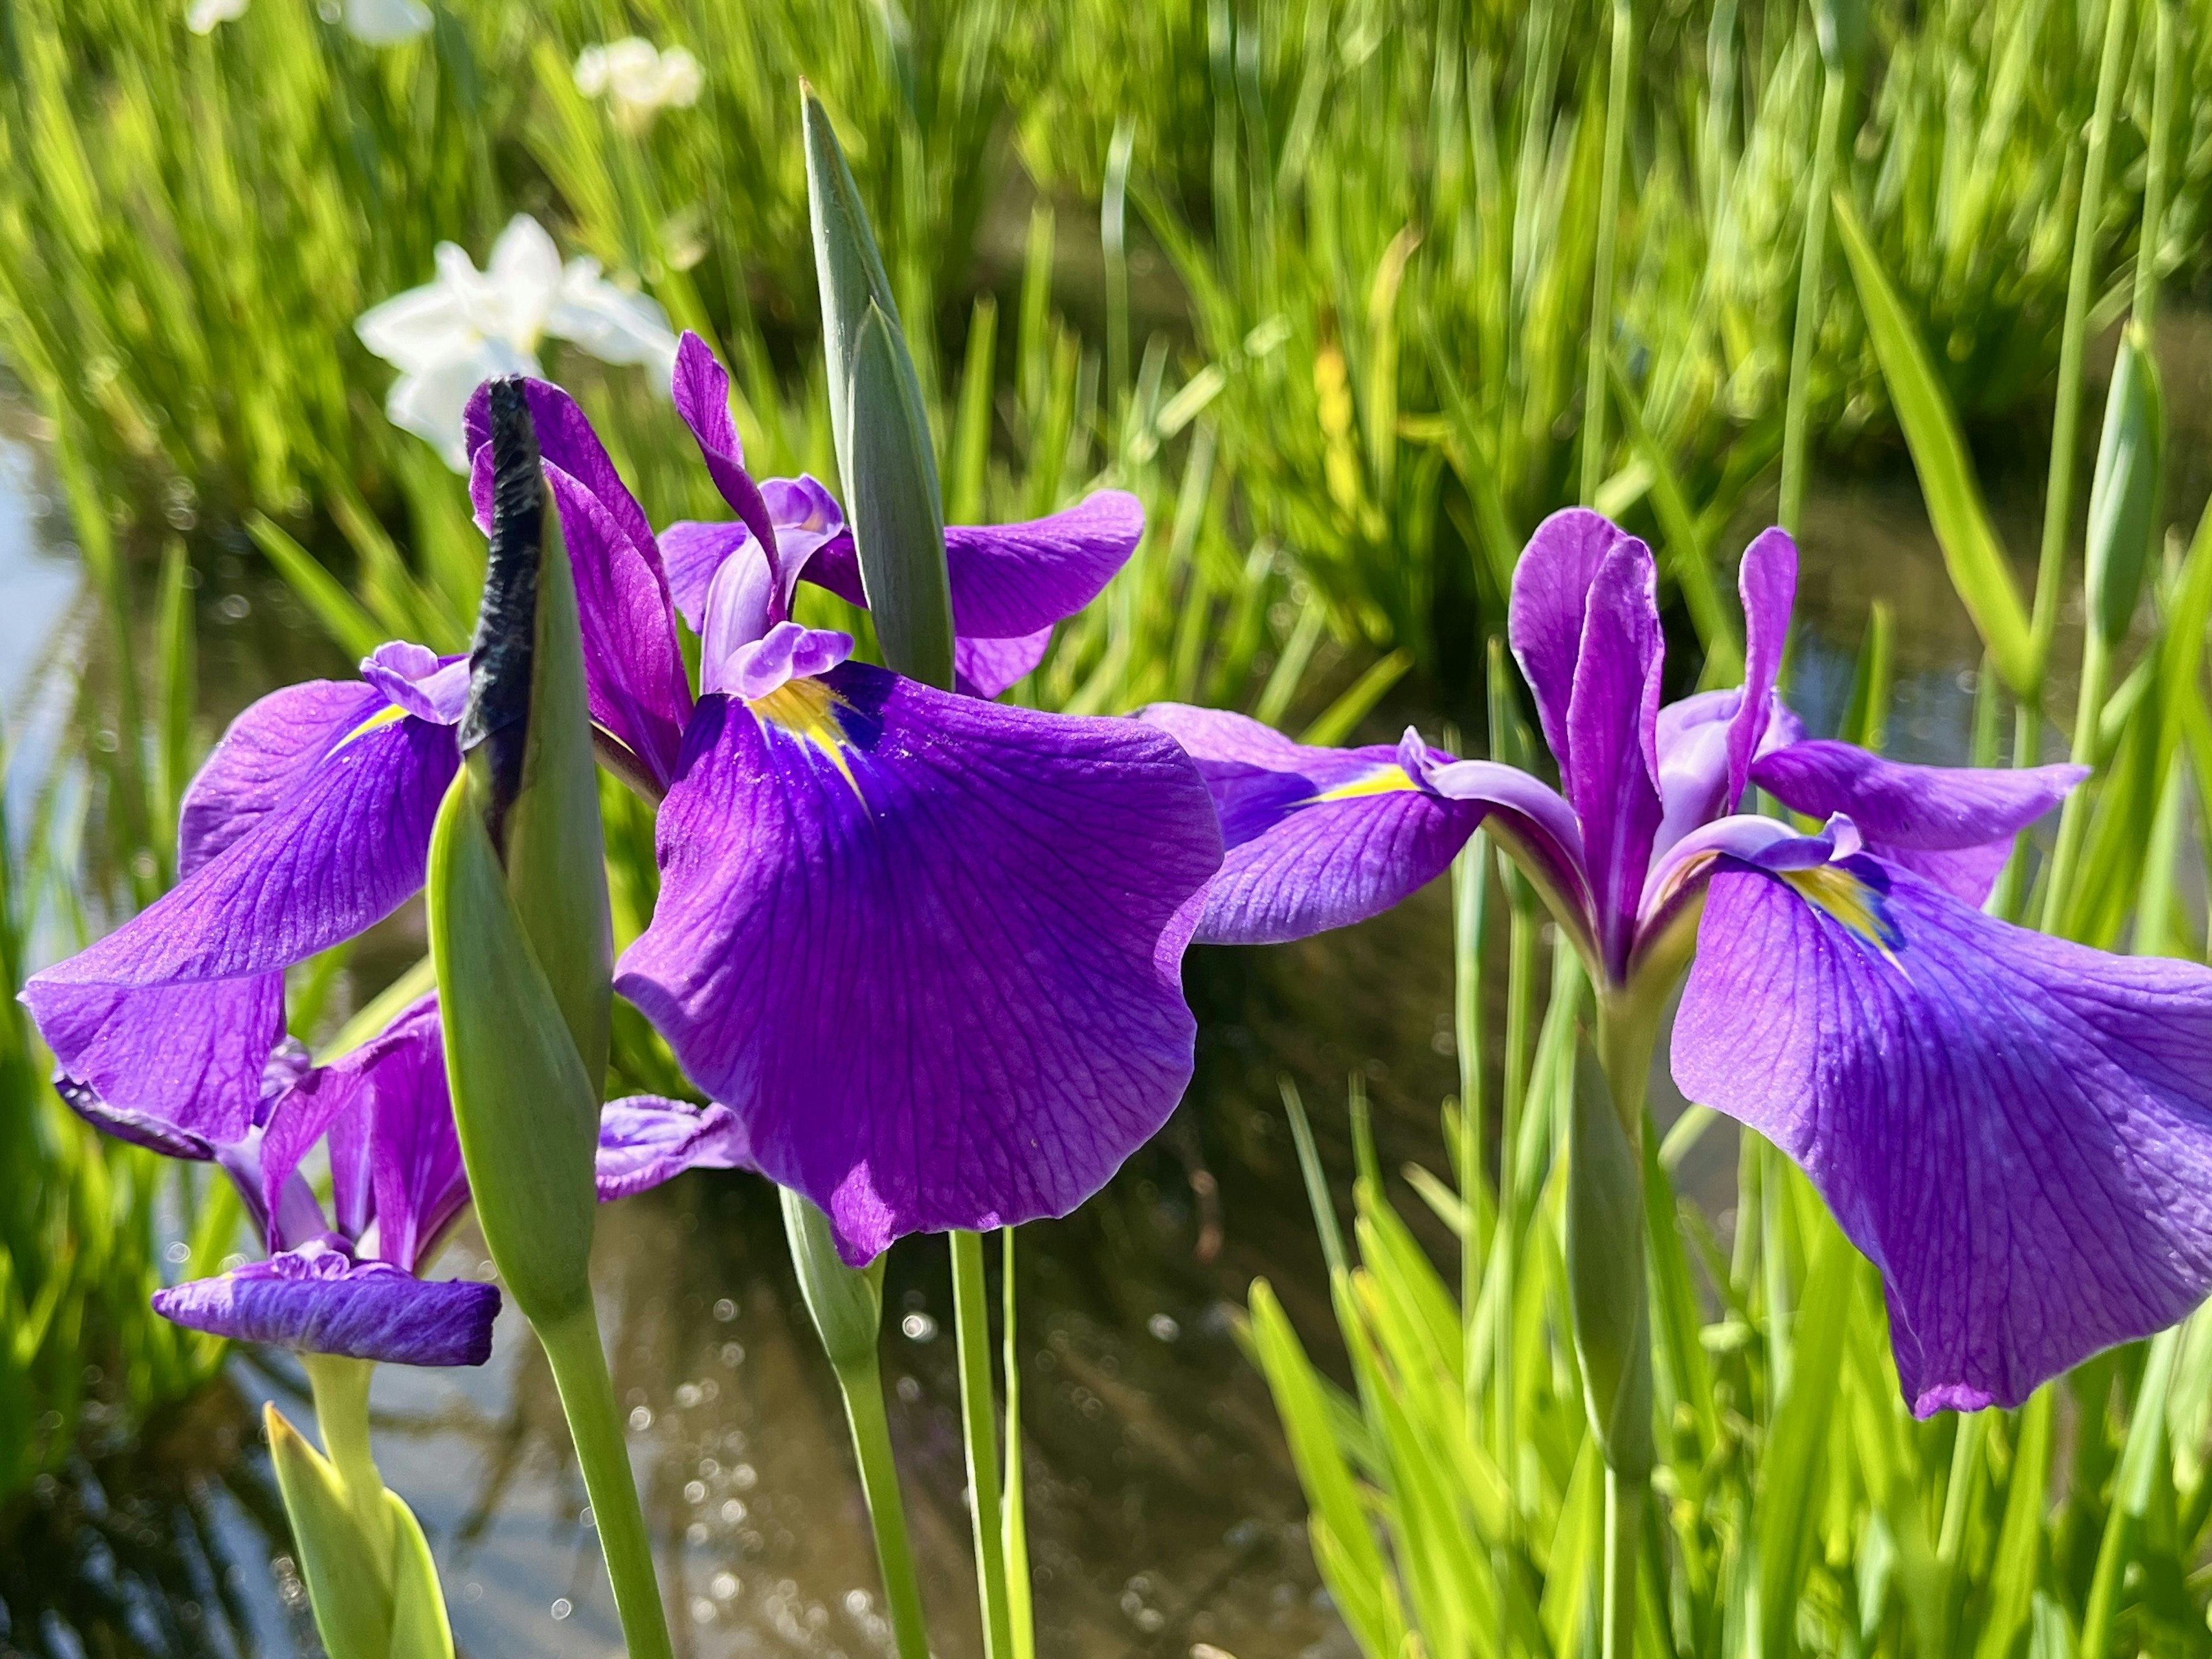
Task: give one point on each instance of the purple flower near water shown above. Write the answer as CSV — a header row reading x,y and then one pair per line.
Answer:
x,y
924,949
2016,1130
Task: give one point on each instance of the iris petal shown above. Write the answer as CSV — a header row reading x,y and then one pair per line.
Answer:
x,y
646,1139
1609,771
319,1301
149,1063
927,949
254,768
2016,1129
1551,597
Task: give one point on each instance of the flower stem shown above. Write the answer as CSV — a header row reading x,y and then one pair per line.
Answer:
x,y
1792,509
1021,1614
595,1423
2073,818
341,1391
1609,216
1624,1530
1470,906
971,1324
1519,1021
861,1384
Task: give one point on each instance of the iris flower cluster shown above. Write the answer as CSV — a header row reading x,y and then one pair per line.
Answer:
x,y
922,952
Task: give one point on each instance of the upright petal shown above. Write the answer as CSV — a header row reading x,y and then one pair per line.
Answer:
x,y
645,1140
1954,825
2016,1129
701,386
565,439
1609,773
615,324
338,854
163,1062
1010,580
1319,838
1543,622
927,949
320,1301
1767,580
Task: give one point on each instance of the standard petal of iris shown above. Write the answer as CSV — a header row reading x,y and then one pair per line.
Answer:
x,y
346,846
702,389
163,1059
1551,593
1319,838
645,1140
565,439
1952,824
2016,1129
927,949
1609,771
1008,580
1767,580
319,1302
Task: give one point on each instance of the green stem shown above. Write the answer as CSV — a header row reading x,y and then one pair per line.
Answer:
x,y
2059,495
1019,1609
1774,1273
341,1391
971,1323
595,1423
2074,819
1520,1022
861,1381
1810,269
2162,127
2131,1494
1625,1498
1470,903
1609,211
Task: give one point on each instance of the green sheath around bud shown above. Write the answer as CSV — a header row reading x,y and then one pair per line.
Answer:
x,y
2124,495
1605,1274
847,1303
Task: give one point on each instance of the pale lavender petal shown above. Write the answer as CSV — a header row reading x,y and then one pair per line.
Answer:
x,y
417,680
1008,580
789,651
180,1060
566,440
929,949
318,1301
340,851
1317,838
1609,773
1693,736
645,1140
257,765
1767,580
702,388
1953,825
633,669
984,668
2016,1130
1543,622
1682,869
695,553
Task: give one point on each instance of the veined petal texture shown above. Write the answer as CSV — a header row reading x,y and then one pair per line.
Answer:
x,y
2016,1130
927,948
317,1299
1551,600
645,1140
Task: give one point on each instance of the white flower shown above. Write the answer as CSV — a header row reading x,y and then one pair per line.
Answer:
x,y
373,22
449,336
639,79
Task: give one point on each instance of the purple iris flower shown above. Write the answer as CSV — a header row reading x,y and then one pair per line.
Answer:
x,y
2016,1130
925,951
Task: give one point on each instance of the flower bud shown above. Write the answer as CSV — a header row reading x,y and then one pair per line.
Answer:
x,y
2123,495
847,1303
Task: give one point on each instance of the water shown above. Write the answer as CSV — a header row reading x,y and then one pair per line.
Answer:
x,y
1163,1512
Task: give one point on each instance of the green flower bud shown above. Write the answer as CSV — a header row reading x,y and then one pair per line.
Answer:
x,y
1605,1273
847,1303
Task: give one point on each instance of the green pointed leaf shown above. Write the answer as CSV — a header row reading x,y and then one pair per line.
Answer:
x,y
2124,495
847,1303
898,528
347,1587
1971,552
420,1629
1793,1480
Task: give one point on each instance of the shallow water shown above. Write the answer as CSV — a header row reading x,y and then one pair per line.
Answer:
x,y
1161,1509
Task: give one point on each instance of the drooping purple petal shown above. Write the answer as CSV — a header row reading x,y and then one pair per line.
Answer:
x,y
2016,1129
702,388
1767,579
566,440
633,669
1319,838
1543,622
984,668
157,1062
929,949
1952,824
1610,770
645,1140
346,844
255,768
318,1300
1008,580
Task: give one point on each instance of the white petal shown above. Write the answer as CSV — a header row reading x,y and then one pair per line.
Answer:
x,y
591,71
422,327
613,325
386,22
681,78
432,405
206,14
524,273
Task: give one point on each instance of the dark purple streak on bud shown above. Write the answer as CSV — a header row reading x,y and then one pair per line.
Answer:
x,y
500,667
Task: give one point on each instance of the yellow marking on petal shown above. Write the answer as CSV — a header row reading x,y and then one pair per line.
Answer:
x,y
807,709
1388,780
390,715
1848,900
